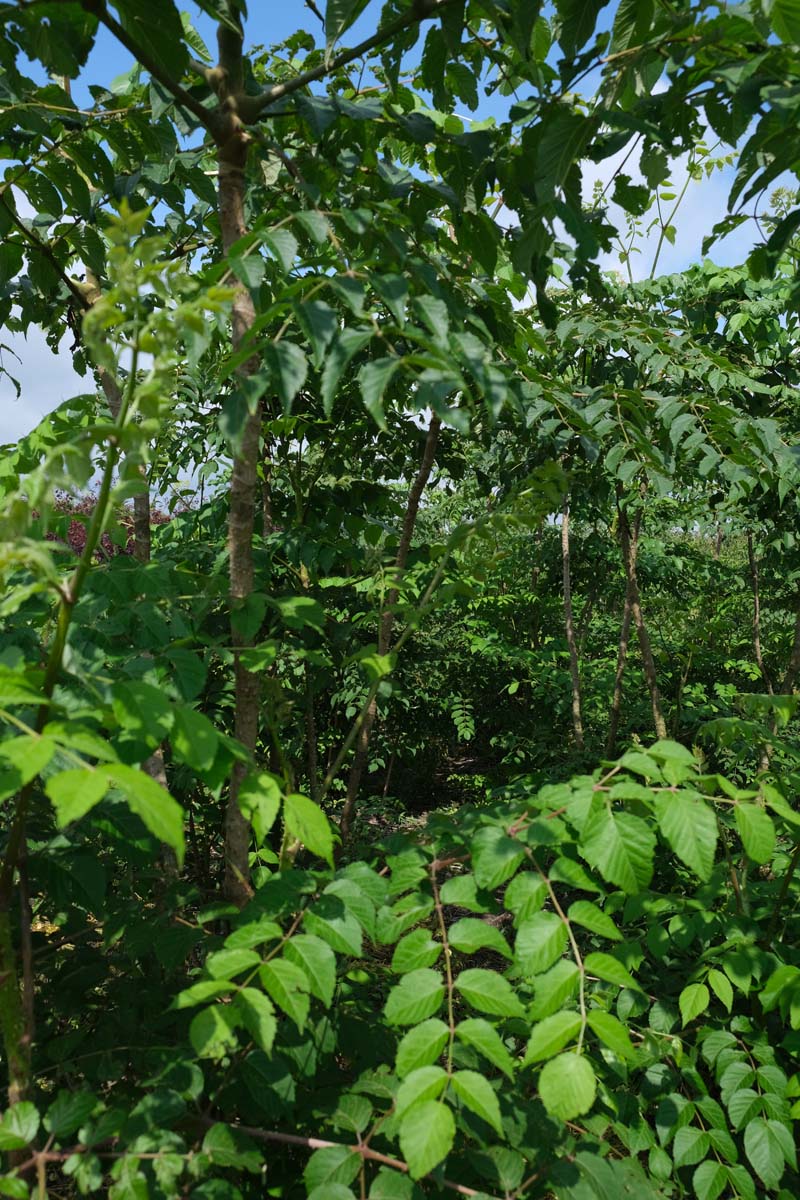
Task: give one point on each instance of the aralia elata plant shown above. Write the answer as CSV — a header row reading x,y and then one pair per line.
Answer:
x,y
297,262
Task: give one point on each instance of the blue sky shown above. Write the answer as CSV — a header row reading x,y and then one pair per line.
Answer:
x,y
47,379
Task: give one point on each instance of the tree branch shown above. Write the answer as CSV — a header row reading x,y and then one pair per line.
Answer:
x,y
423,10
184,98
366,1152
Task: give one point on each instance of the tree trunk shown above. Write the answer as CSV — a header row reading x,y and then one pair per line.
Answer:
x,y
386,623
754,584
622,655
629,556
793,668
574,668
232,143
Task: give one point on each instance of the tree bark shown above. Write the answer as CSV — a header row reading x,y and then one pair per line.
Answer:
x,y
386,622
232,145
793,668
755,586
622,655
569,623
648,662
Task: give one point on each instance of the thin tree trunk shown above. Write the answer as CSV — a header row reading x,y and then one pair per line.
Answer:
x,y
754,584
793,668
622,655
646,650
232,141
569,623
386,623
536,571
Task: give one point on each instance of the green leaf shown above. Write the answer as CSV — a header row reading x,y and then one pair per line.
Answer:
x,y
541,939
489,992
612,1032
551,1035
427,1133
389,1184
230,1148
587,914
19,1126
426,1083
483,1037
321,324
143,710
709,1180
420,1046
605,966
194,739
373,379
283,245
75,792
566,132
330,1165
621,846
578,19
690,1146
68,1112
315,224
693,1000
721,987
288,986
784,16
756,831
226,964
554,988
289,366
306,821
479,1096
418,995
525,895
21,760
319,963
212,1031
471,934
339,16
495,856
764,1151
343,349
567,1086
417,949
162,815
198,993
258,1017
690,827
330,920
259,801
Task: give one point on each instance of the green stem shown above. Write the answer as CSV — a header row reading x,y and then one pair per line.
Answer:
x,y
12,1018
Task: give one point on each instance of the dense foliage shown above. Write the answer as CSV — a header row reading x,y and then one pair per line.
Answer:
x,y
400,638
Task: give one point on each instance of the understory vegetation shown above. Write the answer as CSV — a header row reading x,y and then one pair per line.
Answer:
x,y
400,635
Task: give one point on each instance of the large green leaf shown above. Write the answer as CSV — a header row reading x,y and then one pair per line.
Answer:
x,y
478,1095
489,993
621,846
427,1133
690,827
162,815
306,821
756,831
567,1086
418,995
541,939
